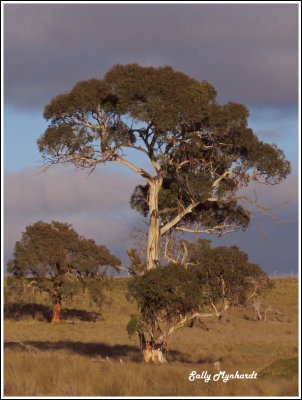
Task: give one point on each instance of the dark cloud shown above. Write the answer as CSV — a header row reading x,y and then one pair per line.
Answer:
x,y
249,52
273,246
272,243
98,207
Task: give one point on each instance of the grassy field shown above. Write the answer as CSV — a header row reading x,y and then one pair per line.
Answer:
x,y
89,356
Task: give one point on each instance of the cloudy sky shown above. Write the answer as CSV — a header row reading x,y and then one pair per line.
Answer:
x,y
248,52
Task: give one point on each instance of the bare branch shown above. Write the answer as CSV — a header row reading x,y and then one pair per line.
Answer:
x,y
166,210
176,219
183,322
185,254
123,268
215,183
274,310
261,209
166,255
132,146
262,314
216,229
217,314
134,168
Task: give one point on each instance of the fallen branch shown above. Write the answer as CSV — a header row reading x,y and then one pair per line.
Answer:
x,y
262,314
274,310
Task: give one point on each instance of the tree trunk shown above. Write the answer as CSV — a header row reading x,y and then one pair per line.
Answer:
x,y
56,313
258,312
154,232
153,354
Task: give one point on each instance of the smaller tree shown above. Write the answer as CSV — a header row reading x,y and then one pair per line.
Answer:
x,y
167,297
230,278
61,262
175,295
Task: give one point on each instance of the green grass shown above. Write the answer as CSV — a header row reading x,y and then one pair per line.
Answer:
x,y
285,368
70,359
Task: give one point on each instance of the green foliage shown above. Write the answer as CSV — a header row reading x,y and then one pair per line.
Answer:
x,y
137,266
60,261
177,123
19,290
212,276
134,325
163,96
227,272
168,291
95,286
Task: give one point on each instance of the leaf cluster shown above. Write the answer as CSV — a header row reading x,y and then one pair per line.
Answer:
x,y
166,97
167,291
226,271
134,325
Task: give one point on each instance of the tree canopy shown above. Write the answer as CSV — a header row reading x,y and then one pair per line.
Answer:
x,y
60,260
202,153
173,296
228,274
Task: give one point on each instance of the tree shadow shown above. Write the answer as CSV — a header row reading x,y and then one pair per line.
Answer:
x,y
83,315
116,352
40,312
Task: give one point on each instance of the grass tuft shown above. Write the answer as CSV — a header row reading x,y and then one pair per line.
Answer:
x,y
286,368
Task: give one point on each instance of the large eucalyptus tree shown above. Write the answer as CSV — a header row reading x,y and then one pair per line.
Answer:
x,y
202,153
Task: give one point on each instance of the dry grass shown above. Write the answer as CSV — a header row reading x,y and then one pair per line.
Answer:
x,y
70,359
75,375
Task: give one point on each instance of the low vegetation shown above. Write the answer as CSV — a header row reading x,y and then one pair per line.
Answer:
x,y
281,368
95,357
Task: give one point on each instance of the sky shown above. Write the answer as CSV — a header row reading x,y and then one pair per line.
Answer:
x,y
248,52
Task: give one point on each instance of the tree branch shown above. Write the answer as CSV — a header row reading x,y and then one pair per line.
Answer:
x,y
185,254
123,268
139,148
175,220
183,321
220,178
166,210
215,229
133,167
261,209
166,256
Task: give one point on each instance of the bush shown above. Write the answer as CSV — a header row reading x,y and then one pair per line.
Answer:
x,y
170,290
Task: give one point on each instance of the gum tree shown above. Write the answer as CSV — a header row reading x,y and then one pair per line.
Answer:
x,y
230,279
175,296
202,153
61,262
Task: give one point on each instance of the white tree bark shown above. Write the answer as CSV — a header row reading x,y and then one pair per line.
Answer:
x,y
154,231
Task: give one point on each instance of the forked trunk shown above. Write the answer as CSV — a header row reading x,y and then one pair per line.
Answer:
x,y
153,354
154,232
56,313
